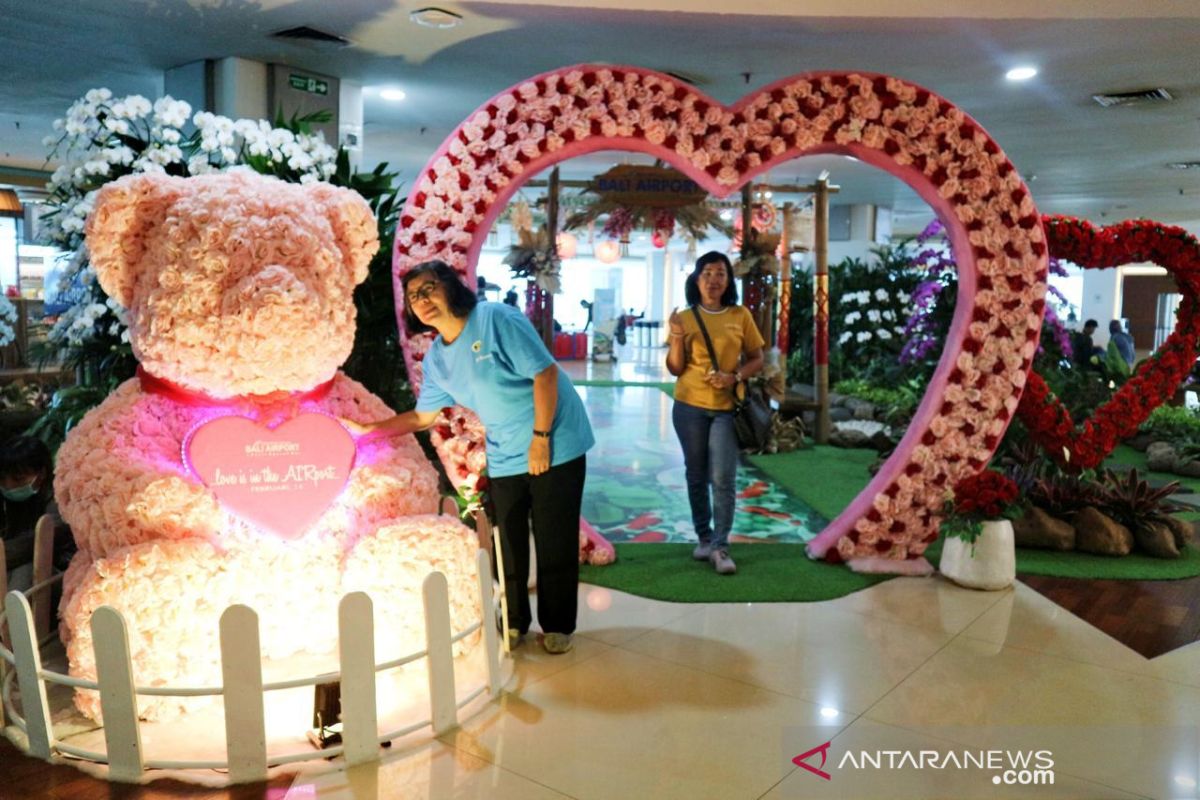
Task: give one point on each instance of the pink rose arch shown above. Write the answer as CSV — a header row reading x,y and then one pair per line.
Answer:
x,y
910,132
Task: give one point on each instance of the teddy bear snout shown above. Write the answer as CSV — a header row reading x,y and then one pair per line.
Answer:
x,y
271,286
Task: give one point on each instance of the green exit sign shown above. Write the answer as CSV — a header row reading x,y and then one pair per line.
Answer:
x,y
310,85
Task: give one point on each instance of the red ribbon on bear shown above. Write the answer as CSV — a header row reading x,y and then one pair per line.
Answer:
x,y
152,384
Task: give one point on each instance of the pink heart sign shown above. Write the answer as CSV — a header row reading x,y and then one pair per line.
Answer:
x,y
280,479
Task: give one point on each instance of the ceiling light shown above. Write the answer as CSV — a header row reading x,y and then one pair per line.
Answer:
x,y
1021,73
432,17
392,94
1184,165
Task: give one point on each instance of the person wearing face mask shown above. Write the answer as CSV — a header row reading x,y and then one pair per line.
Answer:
x,y
704,398
26,493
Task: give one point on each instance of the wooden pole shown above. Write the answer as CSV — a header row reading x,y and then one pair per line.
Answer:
x,y
821,308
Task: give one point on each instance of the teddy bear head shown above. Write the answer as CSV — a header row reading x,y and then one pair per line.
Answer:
x,y
234,283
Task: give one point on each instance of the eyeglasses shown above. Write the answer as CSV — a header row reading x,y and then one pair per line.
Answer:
x,y
424,293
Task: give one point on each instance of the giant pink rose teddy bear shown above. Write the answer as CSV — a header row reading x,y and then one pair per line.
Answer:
x,y
239,294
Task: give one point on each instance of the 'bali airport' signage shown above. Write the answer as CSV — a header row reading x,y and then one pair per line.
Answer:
x,y
630,185
280,479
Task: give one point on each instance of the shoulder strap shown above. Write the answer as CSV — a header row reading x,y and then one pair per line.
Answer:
x,y
712,354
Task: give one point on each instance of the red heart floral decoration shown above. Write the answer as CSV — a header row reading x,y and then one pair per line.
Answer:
x,y
1078,241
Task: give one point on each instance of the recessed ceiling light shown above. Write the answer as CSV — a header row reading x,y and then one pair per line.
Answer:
x,y
1021,73
395,95
1184,165
433,17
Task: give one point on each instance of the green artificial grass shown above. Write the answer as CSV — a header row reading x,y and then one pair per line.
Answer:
x,y
826,478
669,388
767,573
1133,567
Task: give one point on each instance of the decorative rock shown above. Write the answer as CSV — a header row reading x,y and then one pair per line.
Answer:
x,y
835,399
848,437
861,409
1156,539
1096,533
881,441
1184,531
810,419
1141,441
1036,528
840,414
1190,469
1161,457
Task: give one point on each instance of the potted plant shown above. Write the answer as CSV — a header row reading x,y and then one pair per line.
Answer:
x,y
978,552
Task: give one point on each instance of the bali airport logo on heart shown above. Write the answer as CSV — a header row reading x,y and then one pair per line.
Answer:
x,y
1010,767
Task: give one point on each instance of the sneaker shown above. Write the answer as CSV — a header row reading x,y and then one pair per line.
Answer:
x,y
722,563
557,643
515,637
702,551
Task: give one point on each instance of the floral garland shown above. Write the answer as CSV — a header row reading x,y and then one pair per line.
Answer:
x,y
892,124
1156,380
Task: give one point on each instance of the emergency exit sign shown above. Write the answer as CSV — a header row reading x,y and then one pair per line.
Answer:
x,y
310,85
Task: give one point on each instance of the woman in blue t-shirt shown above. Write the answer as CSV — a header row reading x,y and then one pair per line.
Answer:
x,y
487,357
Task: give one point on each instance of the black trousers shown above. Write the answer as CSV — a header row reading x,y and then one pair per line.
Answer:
x,y
552,500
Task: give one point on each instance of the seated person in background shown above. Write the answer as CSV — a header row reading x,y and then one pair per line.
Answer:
x,y
26,493
1122,340
1082,346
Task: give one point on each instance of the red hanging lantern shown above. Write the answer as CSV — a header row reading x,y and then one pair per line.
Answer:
x,y
658,240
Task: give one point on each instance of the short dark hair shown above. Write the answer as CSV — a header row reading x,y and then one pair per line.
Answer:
x,y
459,298
1115,326
24,454
1091,323
691,288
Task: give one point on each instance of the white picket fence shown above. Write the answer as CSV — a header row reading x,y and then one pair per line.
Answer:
x,y
242,685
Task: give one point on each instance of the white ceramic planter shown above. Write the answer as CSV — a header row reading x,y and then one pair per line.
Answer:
x,y
994,563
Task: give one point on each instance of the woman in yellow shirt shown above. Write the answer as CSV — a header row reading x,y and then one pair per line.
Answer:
x,y
703,412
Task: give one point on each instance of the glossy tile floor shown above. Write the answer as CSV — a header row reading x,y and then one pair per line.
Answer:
x,y
663,700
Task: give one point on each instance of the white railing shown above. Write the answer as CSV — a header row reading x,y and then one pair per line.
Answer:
x,y
242,686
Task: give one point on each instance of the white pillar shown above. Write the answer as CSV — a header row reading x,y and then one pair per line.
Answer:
x,y
350,121
239,89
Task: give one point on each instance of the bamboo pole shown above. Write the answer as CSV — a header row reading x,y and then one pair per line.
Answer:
x,y
821,308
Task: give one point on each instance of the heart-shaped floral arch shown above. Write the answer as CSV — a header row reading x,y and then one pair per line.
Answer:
x,y
903,129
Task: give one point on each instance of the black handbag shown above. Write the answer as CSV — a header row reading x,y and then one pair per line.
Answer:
x,y
752,413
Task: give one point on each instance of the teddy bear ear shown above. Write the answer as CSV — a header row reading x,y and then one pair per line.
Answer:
x,y
353,223
124,209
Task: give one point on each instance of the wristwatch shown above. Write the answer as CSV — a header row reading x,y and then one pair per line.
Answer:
x,y
543,434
